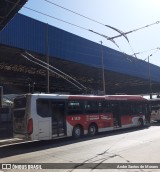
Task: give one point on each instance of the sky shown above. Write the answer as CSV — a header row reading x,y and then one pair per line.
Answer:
x,y
124,15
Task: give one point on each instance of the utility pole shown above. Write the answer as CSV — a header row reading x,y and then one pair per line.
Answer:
x,y
103,78
47,59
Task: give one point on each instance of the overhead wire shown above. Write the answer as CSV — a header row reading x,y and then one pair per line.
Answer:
x,y
56,69
157,22
156,50
108,38
56,18
49,15
111,27
59,19
78,26
147,51
51,71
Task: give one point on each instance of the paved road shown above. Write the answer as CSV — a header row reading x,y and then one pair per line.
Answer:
x,y
127,146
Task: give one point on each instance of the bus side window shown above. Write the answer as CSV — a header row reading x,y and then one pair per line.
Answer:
x,y
127,108
133,108
100,107
43,108
75,107
139,108
124,108
104,107
91,106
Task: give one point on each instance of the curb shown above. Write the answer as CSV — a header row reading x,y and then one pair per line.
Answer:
x,y
5,142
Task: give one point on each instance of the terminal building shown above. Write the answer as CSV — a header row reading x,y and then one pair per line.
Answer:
x,y
75,56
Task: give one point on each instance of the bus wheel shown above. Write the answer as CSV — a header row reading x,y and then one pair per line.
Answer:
x,y
140,122
92,130
77,132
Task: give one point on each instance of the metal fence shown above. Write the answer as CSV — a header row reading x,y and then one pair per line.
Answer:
x,y
6,122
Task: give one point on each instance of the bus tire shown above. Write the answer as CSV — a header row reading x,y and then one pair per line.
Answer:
x,y
141,123
77,132
92,130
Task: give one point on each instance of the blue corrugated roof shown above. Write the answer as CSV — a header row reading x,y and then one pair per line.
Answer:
x,y
29,34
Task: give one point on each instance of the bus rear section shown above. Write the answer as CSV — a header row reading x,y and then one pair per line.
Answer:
x,y
21,127
38,117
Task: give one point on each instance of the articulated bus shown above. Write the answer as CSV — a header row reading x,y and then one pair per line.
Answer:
x,y
49,116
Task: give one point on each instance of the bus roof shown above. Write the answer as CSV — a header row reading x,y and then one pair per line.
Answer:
x,y
92,97
126,97
109,97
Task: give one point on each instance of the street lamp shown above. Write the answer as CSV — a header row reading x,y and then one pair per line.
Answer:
x,y
149,76
103,78
149,69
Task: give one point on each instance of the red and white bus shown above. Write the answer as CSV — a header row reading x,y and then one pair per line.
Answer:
x,y
48,116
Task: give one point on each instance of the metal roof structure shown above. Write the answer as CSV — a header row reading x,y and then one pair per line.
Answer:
x,y
75,56
8,8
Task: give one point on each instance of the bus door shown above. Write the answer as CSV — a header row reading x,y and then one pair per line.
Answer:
x,y
58,118
19,115
43,123
116,114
